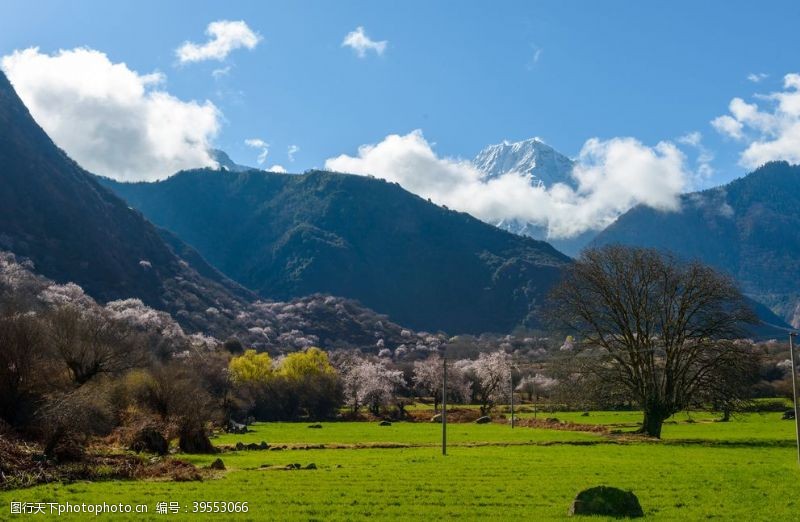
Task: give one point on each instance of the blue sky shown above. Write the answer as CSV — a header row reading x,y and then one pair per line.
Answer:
x,y
463,72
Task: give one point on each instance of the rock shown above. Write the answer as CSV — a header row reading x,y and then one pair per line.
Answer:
x,y
585,414
235,427
240,446
311,466
263,445
606,501
252,446
275,448
384,423
483,420
554,420
150,440
297,466
315,426
437,418
788,415
195,440
217,464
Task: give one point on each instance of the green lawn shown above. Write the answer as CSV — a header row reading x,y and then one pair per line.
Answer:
x,y
417,433
757,479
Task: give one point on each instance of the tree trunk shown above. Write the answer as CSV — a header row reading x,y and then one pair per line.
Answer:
x,y
652,423
726,414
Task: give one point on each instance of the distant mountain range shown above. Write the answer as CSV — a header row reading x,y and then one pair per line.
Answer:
x,y
289,235
749,228
305,238
73,229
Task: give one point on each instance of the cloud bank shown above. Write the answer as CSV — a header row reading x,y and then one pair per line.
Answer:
x,y
769,128
224,37
361,43
109,118
611,176
261,145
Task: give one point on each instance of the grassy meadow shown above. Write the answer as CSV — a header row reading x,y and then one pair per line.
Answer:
x,y
744,469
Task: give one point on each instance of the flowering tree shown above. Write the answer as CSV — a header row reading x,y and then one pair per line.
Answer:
x,y
370,384
535,385
428,379
492,378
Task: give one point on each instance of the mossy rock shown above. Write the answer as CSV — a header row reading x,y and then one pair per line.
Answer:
x,y
483,420
606,501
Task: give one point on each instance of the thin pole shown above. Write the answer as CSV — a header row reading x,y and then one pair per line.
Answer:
x,y
512,401
794,395
444,405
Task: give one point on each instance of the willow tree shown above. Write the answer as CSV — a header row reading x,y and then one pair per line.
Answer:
x,y
658,327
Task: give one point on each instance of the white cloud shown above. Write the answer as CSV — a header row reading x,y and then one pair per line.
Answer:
x,y
704,155
291,151
757,77
224,36
109,118
263,146
221,72
769,128
611,176
728,126
276,168
361,43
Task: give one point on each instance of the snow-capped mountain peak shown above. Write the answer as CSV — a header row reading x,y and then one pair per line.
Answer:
x,y
532,157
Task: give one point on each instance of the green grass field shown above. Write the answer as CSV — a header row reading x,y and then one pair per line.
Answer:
x,y
745,469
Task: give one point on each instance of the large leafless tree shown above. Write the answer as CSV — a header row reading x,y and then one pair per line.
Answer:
x,y
657,326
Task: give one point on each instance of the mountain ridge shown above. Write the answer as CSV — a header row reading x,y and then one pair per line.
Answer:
x,y
286,235
749,228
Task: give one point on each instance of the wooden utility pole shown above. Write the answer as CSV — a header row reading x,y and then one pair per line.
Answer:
x,y
794,394
444,404
512,400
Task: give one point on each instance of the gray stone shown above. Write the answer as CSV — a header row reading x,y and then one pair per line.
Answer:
x,y
483,420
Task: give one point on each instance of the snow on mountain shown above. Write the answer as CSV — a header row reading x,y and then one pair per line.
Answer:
x,y
542,162
546,167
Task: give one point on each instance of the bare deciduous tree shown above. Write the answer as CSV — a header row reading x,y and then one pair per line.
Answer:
x,y
656,324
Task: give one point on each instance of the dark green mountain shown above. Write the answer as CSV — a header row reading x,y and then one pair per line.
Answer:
x,y
75,230
357,237
749,228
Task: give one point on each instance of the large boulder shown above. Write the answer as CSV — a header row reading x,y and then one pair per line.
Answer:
x,y
483,420
195,440
606,501
149,440
437,418
384,423
788,415
218,465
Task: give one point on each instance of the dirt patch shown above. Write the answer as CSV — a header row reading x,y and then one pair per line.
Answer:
x,y
22,464
456,415
555,424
